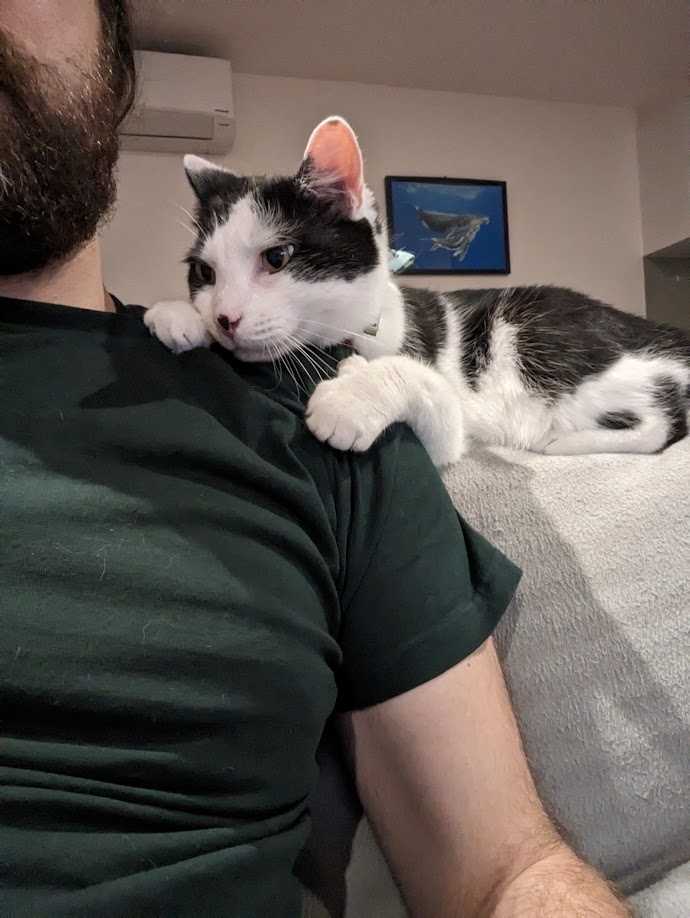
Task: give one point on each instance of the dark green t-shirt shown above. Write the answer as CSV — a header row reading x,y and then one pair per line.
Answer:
x,y
190,584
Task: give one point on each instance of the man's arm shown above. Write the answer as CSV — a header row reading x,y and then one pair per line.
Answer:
x,y
444,781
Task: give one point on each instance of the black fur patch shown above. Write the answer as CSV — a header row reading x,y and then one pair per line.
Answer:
x,y
327,244
426,327
618,420
216,193
378,225
193,281
477,311
209,182
562,336
671,399
565,337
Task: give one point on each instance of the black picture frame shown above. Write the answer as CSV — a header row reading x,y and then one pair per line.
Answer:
x,y
442,254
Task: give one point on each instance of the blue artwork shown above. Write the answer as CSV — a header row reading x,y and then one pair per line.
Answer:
x,y
451,226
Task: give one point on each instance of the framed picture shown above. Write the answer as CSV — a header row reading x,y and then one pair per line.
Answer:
x,y
451,226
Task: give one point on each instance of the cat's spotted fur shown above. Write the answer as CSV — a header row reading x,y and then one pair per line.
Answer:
x,y
541,368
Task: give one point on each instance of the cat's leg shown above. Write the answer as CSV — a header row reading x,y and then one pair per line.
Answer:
x,y
653,426
649,436
632,408
178,325
351,411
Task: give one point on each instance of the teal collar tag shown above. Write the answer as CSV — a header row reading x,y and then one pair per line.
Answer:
x,y
373,328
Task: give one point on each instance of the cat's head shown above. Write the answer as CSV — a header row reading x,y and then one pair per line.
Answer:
x,y
299,258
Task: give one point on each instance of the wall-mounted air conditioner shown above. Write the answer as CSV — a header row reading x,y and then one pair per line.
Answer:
x,y
184,105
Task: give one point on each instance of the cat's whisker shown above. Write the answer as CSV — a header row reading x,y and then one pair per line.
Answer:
x,y
190,216
277,362
328,357
306,348
189,230
349,334
315,366
310,350
198,231
302,350
326,325
277,369
329,366
267,347
289,371
301,372
303,368
290,357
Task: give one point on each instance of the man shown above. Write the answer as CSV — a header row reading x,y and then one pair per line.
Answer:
x,y
191,585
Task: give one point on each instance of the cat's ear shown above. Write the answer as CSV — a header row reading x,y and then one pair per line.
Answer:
x,y
332,167
206,178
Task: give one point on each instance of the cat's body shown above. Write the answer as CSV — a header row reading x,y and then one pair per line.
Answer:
x,y
551,370
288,266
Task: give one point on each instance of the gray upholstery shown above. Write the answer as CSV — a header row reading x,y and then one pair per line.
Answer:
x,y
595,649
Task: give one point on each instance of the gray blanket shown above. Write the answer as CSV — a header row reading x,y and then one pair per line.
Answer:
x,y
595,649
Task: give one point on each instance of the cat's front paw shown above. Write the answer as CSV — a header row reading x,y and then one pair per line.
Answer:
x,y
177,325
352,364
343,413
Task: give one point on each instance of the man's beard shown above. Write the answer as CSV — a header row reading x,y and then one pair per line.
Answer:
x,y
58,150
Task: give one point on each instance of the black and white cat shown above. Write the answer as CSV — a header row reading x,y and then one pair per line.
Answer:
x,y
290,264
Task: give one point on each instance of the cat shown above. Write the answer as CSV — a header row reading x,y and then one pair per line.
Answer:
x,y
300,263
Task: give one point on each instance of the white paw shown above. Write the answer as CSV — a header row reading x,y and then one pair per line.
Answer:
x,y
551,447
343,413
177,325
449,449
553,444
351,365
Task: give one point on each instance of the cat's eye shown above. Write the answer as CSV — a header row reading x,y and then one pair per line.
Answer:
x,y
277,257
204,273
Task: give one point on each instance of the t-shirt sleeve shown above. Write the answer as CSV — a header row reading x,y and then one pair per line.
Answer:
x,y
420,590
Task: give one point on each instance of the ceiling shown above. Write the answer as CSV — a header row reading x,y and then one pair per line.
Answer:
x,y
621,52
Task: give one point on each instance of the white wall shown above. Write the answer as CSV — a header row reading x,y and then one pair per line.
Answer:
x,y
573,191
663,144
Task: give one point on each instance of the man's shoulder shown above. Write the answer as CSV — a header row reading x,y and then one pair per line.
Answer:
x,y
128,309
281,387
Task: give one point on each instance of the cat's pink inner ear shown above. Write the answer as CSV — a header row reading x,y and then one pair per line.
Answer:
x,y
334,151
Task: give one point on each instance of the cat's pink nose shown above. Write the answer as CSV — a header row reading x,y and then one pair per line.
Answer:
x,y
228,325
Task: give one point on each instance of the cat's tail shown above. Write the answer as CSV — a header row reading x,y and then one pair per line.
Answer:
x,y
673,397
671,381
